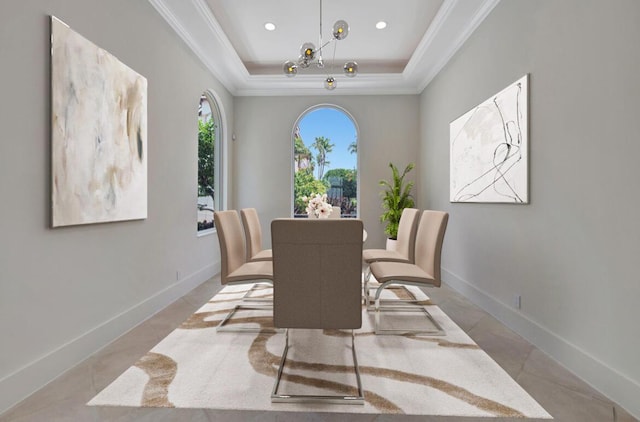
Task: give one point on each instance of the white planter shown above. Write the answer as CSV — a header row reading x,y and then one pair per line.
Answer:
x,y
391,244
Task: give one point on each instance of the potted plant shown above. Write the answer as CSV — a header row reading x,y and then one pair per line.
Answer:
x,y
396,196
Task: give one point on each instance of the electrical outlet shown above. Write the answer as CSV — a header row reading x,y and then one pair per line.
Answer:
x,y
517,301
177,275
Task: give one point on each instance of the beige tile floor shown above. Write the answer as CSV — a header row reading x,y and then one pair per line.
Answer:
x,y
561,393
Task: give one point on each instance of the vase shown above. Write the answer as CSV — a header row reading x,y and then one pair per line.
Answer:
x,y
391,244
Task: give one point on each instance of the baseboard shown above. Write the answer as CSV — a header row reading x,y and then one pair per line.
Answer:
x,y
613,384
20,384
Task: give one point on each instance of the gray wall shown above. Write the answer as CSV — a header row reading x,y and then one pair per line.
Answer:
x,y
388,132
66,292
571,253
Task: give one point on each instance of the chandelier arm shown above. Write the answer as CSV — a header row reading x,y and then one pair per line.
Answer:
x,y
322,46
333,61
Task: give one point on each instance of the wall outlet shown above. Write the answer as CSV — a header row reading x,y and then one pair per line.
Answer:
x,y
178,275
517,301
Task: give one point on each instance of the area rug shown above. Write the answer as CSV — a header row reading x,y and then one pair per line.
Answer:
x,y
197,367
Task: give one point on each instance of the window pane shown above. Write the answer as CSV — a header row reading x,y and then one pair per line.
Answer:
x,y
206,164
326,160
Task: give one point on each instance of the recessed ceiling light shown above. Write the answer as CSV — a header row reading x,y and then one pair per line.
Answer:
x,y
270,26
381,25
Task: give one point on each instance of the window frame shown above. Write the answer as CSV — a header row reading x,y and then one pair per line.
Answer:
x,y
292,144
220,157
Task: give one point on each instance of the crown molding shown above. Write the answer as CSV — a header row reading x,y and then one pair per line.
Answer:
x,y
363,84
460,19
194,22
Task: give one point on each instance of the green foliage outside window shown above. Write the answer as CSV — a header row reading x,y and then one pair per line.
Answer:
x,y
349,181
304,184
206,154
323,146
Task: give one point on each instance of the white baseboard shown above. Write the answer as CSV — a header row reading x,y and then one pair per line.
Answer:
x,y
613,384
20,384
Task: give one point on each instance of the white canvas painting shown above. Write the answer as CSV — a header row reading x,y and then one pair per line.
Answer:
x,y
99,133
489,149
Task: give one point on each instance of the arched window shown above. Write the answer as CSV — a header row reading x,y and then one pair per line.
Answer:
x,y
325,159
209,161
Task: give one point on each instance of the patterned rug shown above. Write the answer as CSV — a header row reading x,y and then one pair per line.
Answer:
x,y
197,367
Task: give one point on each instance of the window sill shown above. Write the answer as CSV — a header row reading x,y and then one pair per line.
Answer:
x,y
207,232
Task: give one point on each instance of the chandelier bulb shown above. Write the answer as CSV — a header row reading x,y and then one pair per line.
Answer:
x,y
303,62
290,68
308,51
340,30
350,69
330,83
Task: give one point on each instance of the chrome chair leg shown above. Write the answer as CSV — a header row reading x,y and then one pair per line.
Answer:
x,y
378,309
224,326
328,399
248,298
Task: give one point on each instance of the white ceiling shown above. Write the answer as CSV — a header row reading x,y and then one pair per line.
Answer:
x,y
229,37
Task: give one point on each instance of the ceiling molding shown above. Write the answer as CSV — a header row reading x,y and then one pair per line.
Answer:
x,y
474,18
277,85
194,22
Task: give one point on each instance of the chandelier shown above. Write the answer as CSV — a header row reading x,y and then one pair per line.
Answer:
x,y
309,55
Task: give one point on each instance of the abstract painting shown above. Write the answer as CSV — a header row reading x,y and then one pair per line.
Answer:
x,y
99,133
489,149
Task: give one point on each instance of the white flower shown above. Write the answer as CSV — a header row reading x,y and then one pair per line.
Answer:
x,y
317,205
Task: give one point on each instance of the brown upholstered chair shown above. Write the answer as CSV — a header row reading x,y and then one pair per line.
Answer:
x,y
253,236
316,275
235,268
424,273
404,251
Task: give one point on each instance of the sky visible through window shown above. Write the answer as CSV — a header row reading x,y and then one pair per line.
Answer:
x,y
338,127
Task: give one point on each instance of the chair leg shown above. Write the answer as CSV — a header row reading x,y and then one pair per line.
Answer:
x,y
365,292
329,399
378,309
247,297
243,305
224,327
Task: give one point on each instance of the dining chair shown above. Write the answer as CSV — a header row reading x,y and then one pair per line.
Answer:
x,y
316,280
425,272
253,236
235,269
336,212
404,251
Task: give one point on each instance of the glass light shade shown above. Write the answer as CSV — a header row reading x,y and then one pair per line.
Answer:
x,y
303,62
340,30
330,83
350,69
290,68
308,51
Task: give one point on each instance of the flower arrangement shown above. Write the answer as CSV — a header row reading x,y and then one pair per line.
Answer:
x,y
317,205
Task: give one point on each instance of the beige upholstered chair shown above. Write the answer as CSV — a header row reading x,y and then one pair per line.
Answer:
x,y
235,268
336,212
253,236
317,270
424,273
404,247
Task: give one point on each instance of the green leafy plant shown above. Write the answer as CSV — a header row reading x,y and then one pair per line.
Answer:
x,y
304,184
396,196
206,154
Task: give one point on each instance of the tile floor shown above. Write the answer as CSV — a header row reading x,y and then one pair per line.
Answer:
x,y
562,394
